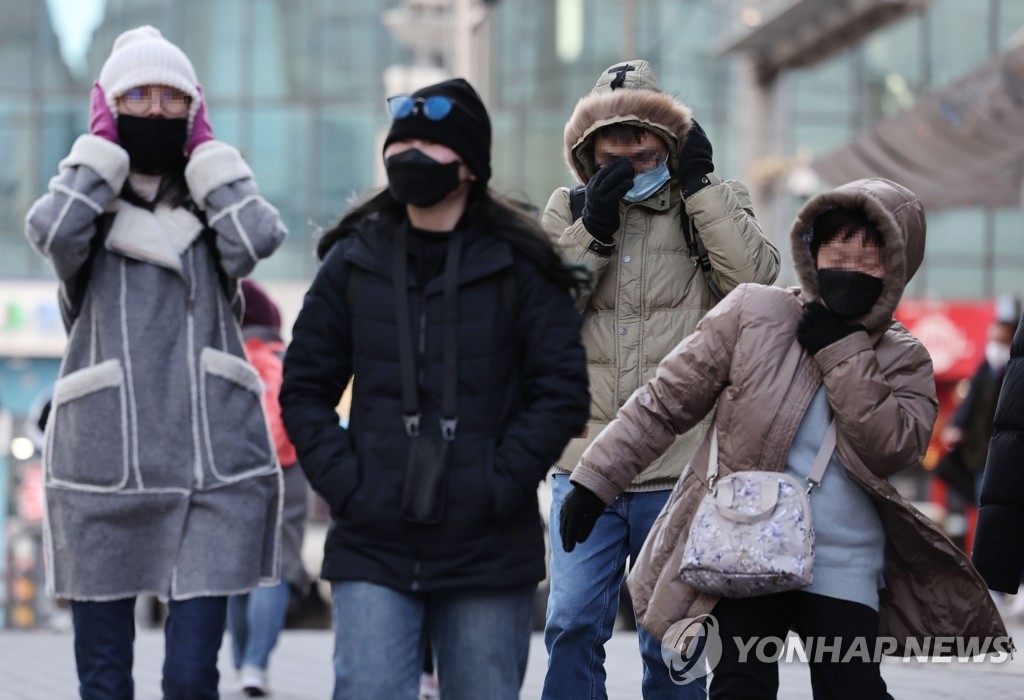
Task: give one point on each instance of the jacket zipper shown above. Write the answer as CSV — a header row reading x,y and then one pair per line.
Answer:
x,y
421,351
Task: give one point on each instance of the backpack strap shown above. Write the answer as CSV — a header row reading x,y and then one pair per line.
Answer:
x,y
577,198
698,251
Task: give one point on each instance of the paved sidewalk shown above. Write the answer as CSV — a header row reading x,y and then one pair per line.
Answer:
x,y
40,666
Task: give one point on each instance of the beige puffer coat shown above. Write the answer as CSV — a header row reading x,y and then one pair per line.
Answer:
x,y
880,387
650,293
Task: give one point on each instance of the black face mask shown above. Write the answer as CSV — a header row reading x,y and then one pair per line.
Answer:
x,y
155,146
848,293
417,179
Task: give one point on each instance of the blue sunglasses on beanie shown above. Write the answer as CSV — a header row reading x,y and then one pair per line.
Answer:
x,y
435,108
449,113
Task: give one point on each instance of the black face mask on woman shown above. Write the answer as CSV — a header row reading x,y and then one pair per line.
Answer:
x,y
155,146
847,293
417,179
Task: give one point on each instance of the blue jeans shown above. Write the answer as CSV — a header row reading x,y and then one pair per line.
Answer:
x,y
105,637
584,599
481,640
255,620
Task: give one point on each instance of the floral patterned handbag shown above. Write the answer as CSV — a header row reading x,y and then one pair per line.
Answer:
x,y
752,533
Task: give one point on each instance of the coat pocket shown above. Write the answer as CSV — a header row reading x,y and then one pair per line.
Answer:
x,y
507,497
87,439
235,430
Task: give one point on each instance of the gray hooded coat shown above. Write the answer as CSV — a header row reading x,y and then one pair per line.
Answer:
x,y
160,474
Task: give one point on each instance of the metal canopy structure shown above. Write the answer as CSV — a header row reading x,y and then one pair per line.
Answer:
x,y
961,146
795,33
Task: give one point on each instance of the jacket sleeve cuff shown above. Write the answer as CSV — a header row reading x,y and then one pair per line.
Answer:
x,y
585,239
842,350
712,181
212,165
595,482
109,160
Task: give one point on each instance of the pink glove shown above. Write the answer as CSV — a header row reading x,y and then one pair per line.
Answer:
x,y
101,121
201,129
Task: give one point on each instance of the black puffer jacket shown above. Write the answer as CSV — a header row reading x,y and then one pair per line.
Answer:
x,y
999,542
522,394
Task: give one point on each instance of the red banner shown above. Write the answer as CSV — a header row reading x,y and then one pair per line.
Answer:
x,y
954,332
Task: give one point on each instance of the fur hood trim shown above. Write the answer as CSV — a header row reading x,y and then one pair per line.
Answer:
x,y
626,93
899,216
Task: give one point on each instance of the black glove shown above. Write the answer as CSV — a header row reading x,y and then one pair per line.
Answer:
x,y
604,191
580,512
819,328
695,160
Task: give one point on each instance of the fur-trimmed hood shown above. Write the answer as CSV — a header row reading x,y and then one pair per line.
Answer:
x,y
626,93
899,216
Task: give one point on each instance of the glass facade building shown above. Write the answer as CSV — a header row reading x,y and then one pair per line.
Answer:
x,y
972,253
299,87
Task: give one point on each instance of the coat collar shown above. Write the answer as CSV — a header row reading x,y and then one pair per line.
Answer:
x,y
371,247
157,237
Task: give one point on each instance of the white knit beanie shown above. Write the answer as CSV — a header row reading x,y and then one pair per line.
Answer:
x,y
142,56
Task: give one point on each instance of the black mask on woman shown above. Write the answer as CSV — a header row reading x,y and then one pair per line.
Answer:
x,y
155,146
847,293
417,179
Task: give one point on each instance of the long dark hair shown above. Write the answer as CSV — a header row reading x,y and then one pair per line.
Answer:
x,y
506,220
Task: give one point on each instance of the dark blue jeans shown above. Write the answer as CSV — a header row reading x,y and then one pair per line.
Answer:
x,y
481,640
105,637
584,598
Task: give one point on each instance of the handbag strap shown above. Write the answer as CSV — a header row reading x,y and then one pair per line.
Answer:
x,y
821,460
410,396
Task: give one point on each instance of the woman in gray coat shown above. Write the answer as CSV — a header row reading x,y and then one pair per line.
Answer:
x,y
160,474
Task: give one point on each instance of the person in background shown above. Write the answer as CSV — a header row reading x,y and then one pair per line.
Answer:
x,y
999,540
455,316
650,191
967,433
256,619
160,474
775,368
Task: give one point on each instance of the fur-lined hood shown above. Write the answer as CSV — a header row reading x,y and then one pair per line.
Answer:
x,y
626,93
899,216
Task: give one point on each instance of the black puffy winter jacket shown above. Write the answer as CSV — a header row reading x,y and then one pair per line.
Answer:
x,y
999,541
522,395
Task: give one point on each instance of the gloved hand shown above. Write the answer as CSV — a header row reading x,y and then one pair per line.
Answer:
x,y
604,192
101,120
695,160
201,129
819,328
580,512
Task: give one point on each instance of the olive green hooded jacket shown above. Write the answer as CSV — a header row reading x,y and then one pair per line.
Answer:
x,y
650,293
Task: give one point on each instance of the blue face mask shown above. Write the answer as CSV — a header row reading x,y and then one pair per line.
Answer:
x,y
647,183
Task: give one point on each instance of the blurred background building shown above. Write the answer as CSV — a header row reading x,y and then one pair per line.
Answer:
x,y
796,96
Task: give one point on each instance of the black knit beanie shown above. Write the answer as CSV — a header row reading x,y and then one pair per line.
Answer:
x,y
466,130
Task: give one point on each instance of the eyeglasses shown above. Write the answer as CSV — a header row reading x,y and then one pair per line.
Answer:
x,y
434,108
138,101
